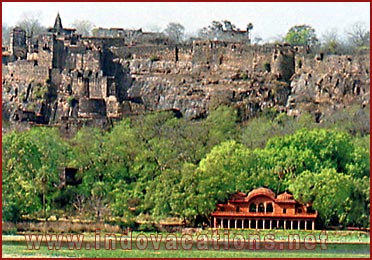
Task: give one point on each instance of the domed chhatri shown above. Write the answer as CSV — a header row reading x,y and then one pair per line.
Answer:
x,y
261,209
284,196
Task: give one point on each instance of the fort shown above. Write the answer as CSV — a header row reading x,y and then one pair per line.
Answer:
x,y
62,78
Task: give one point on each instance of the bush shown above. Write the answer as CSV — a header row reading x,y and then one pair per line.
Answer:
x,y
154,57
147,227
244,75
9,228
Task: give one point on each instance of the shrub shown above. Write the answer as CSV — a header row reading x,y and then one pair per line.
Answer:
x,y
154,57
244,75
9,228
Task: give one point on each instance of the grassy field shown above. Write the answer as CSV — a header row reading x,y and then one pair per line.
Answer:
x,y
339,244
333,251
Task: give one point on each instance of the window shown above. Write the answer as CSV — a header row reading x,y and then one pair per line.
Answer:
x,y
299,210
261,208
269,208
284,211
252,207
237,209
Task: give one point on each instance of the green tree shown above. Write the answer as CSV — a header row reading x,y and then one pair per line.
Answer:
x,y
31,164
358,213
301,35
91,160
224,170
328,191
221,125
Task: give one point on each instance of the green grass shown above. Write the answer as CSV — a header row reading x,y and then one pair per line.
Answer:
x,y
340,244
21,251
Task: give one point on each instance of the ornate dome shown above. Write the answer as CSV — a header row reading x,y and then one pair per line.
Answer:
x,y
261,192
285,196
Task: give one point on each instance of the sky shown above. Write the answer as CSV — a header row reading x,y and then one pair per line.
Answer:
x,y
271,20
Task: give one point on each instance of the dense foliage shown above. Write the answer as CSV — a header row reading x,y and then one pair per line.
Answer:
x,y
157,166
301,35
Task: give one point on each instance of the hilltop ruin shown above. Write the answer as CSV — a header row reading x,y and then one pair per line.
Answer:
x,y
62,78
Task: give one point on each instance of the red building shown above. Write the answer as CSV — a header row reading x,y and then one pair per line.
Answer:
x,y
261,209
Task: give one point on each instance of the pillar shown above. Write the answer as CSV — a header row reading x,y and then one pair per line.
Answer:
x,y
298,224
256,224
277,223
242,223
285,224
291,224
249,224
214,222
263,224
235,222
305,224
228,223
313,225
271,224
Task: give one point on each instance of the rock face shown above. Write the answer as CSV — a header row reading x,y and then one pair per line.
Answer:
x,y
68,80
329,84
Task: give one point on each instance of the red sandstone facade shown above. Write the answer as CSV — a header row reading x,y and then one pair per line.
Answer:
x,y
261,209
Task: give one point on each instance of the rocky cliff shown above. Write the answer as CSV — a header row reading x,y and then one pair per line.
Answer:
x,y
73,82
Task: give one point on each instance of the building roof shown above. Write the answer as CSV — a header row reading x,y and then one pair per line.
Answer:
x,y
239,200
261,192
284,197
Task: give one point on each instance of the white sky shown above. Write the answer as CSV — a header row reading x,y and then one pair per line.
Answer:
x,y
269,19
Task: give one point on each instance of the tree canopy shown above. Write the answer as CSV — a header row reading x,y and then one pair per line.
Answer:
x,y
31,24
175,31
157,166
301,35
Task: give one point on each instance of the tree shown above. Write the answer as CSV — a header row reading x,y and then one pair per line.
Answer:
x,y
221,173
5,34
329,192
31,24
301,35
331,42
31,163
83,27
250,28
359,35
175,31
221,125
228,25
94,164
215,26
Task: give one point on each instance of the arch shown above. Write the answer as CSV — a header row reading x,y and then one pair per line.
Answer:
x,y
269,208
261,207
252,207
